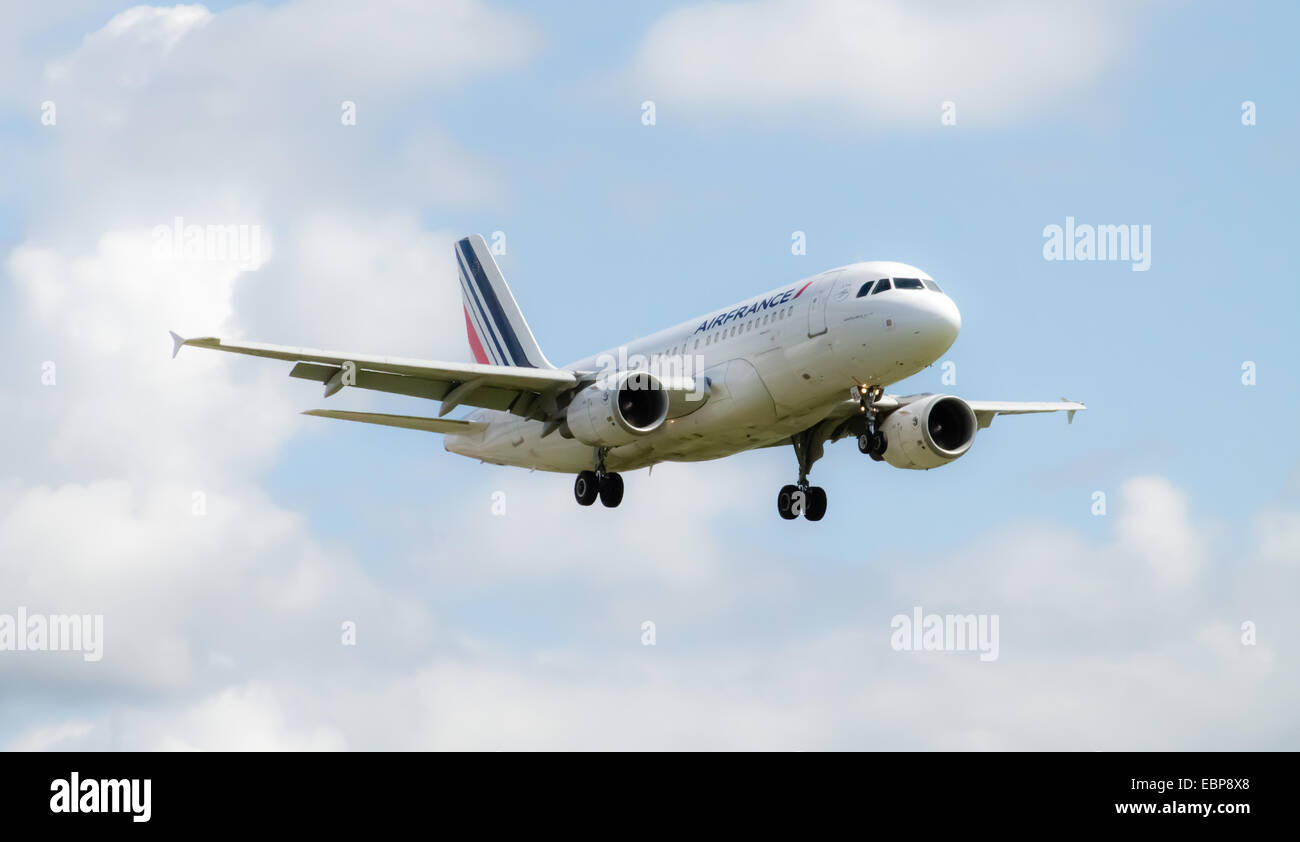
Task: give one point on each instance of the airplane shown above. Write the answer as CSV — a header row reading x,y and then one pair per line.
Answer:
x,y
802,365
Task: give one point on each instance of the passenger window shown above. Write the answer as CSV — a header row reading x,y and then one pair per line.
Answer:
x,y
907,283
881,286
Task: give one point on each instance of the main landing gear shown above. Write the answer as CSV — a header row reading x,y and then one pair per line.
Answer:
x,y
803,498
809,445
598,483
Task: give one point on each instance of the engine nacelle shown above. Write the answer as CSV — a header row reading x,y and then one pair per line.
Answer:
x,y
929,432
618,410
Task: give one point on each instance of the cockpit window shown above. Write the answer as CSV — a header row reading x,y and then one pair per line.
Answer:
x,y
864,289
881,286
931,285
907,283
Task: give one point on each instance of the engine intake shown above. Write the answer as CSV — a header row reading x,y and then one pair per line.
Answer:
x,y
929,432
608,415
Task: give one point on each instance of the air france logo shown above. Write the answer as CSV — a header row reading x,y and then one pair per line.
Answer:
x,y
96,795
749,309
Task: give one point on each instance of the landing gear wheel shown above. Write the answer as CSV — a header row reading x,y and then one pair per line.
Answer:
x,y
877,446
864,443
611,490
815,507
585,488
785,502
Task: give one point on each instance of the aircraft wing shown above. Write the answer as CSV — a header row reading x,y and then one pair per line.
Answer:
x,y
985,411
407,422
529,392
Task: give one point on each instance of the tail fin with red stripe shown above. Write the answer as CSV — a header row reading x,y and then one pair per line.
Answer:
x,y
496,327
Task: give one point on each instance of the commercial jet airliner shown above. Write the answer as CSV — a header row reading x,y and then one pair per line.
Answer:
x,y
801,365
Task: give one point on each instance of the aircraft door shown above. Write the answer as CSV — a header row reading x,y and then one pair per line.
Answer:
x,y
821,294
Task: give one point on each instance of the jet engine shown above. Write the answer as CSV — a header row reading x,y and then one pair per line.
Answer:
x,y
618,410
929,432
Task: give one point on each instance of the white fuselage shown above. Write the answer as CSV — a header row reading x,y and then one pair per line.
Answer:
x,y
776,364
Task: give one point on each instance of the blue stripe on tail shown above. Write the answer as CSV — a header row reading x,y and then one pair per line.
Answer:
x,y
493,345
515,351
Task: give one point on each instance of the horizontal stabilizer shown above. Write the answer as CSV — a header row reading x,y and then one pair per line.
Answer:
x,y
406,422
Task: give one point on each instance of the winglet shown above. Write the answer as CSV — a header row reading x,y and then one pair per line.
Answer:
x,y
1069,415
178,342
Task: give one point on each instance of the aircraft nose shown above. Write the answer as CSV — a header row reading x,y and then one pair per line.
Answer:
x,y
947,321
934,323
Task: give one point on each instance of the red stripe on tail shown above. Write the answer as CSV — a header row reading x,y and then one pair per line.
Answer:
x,y
474,344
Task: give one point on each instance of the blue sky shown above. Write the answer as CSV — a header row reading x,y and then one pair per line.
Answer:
x,y
614,230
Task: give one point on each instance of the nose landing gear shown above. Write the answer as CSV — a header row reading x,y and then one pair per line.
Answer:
x,y
873,445
872,441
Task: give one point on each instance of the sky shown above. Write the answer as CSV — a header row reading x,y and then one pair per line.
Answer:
x,y
270,581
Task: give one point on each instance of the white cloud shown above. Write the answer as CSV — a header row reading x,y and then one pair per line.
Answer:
x,y
1155,523
879,62
330,42
155,120
1278,536
235,116
119,405
360,282
244,718
132,44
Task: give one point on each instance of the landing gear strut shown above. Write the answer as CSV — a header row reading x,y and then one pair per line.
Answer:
x,y
598,483
803,498
871,441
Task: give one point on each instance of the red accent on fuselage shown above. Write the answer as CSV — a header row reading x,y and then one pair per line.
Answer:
x,y
474,344
801,289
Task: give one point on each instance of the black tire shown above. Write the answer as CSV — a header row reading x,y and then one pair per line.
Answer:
x,y
816,508
585,488
611,490
864,443
878,445
785,502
